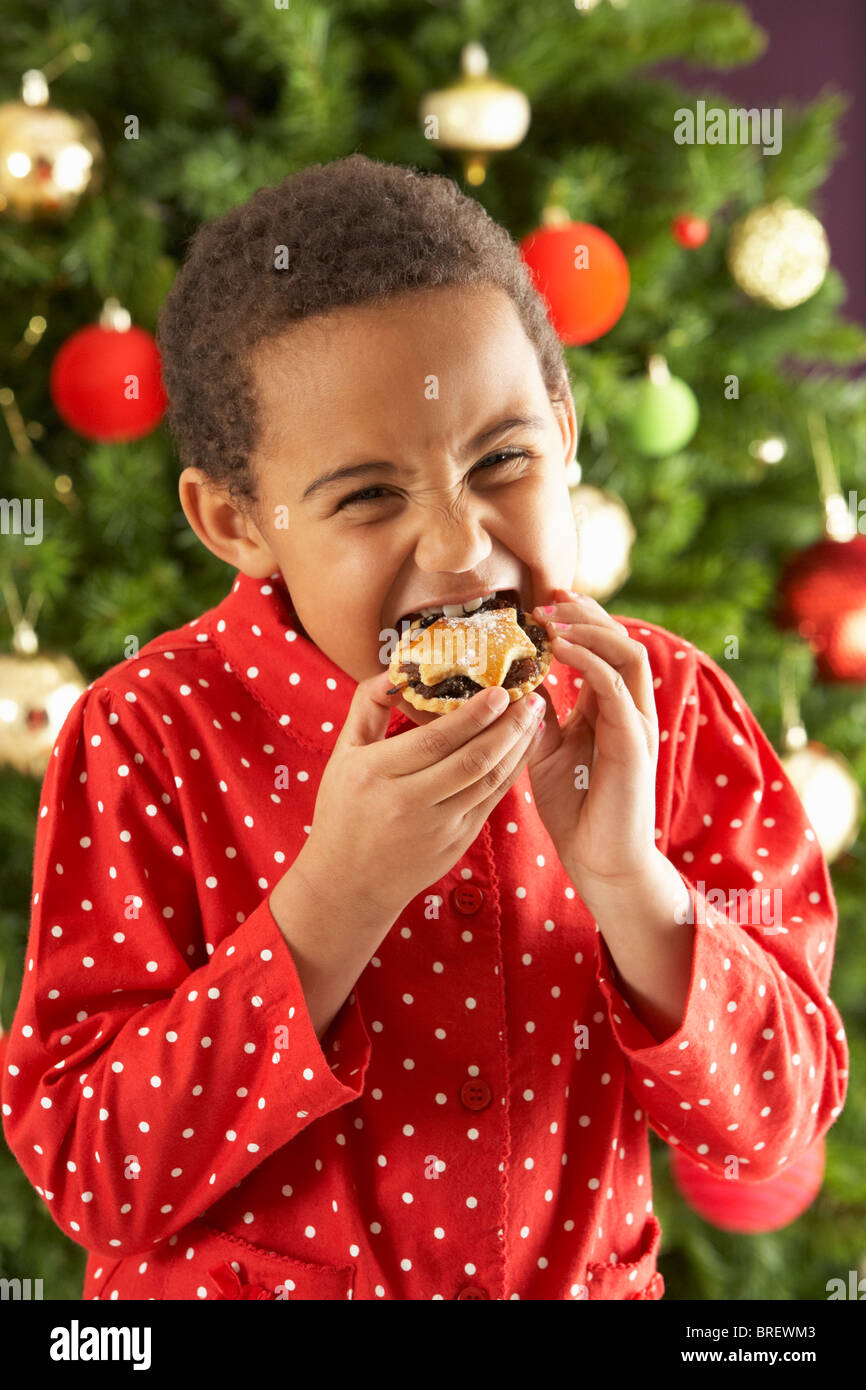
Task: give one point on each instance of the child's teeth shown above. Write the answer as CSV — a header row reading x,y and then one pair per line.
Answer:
x,y
456,610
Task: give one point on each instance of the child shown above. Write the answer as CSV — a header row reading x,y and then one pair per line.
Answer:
x,y
328,997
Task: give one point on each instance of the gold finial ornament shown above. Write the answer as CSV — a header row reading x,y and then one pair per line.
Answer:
x,y
477,115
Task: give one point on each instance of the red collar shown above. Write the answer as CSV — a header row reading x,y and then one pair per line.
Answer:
x,y
258,633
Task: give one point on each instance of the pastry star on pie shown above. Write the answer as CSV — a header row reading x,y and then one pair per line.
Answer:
x,y
439,663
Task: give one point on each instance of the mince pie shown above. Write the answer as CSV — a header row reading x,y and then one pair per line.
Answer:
x,y
440,662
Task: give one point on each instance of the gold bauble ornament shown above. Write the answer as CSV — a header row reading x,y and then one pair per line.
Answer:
x,y
477,115
36,693
779,254
605,535
828,790
48,157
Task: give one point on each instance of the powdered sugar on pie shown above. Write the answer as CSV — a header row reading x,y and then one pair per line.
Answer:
x,y
451,658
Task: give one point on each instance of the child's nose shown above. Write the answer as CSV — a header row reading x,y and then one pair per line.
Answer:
x,y
451,542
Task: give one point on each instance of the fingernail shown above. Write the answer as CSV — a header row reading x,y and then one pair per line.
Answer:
x,y
536,703
498,699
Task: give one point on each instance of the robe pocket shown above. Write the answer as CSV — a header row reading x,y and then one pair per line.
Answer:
x,y
636,1277
227,1267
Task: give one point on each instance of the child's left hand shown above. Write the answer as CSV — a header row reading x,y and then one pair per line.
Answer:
x,y
593,778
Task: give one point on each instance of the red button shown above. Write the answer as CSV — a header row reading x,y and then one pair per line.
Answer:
x,y
473,1291
467,898
475,1095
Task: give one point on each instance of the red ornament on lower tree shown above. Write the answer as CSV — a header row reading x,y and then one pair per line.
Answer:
x,y
822,594
107,385
582,274
690,231
750,1208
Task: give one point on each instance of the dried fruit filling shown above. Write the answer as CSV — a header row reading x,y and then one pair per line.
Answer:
x,y
526,669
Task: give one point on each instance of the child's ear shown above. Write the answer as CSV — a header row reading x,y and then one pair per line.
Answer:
x,y
227,531
566,418
256,567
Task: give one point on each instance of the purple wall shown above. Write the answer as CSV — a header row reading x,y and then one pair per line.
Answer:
x,y
811,46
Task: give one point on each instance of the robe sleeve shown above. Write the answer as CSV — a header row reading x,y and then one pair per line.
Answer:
x,y
758,1067
139,1087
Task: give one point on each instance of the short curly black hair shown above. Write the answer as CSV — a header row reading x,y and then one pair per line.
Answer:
x,y
353,230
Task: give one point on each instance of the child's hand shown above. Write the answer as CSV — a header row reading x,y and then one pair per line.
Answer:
x,y
593,779
393,815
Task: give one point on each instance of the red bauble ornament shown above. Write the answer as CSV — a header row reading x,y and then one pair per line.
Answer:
x,y
690,230
844,654
583,276
746,1207
107,385
822,593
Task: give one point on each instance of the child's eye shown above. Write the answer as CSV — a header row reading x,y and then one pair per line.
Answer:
x,y
361,496
371,494
503,456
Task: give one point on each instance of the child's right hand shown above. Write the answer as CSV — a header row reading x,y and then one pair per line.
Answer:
x,y
393,815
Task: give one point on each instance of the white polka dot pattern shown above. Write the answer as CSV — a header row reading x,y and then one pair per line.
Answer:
x,y
474,1123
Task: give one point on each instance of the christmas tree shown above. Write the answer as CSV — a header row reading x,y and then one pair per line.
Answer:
x,y
710,442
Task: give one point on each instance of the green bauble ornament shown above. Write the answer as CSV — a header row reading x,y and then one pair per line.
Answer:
x,y
665,412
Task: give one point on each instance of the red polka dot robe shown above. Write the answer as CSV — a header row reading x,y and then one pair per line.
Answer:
x,y
164,1089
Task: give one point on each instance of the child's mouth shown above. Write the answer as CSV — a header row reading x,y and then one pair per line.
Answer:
x,y
455,610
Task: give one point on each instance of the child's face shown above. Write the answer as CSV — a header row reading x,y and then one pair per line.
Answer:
x,y
406,383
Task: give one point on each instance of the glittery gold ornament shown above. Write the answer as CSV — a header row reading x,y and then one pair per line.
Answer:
x,y
36,693
477,115
779,254
48,157
605,535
